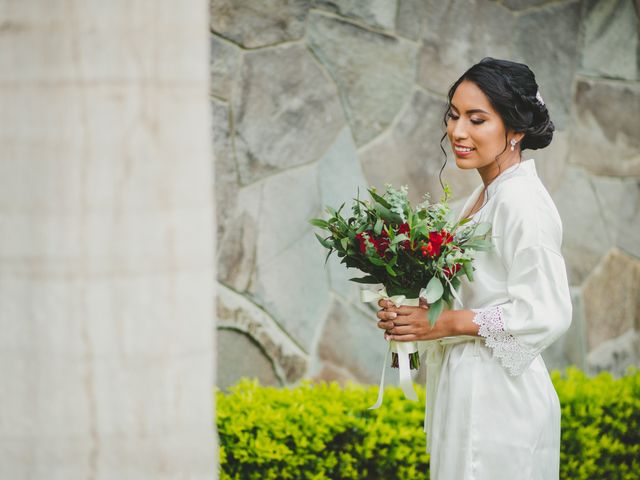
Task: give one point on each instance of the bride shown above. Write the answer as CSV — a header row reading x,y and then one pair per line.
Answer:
x,y
496,415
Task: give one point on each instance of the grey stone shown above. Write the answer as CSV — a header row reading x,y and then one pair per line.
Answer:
x,y
237,248
286,112
351,340
547,41
287,361
552,160
333,373
240,357
570,348
409,154
377,13
524,4
340,177
616,355
374,72
605,127
257,24
289,280
585,234
411,17
225,172
619,201
611,31
611,301
223,65
458,34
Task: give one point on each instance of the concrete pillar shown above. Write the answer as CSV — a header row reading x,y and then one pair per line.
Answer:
x,y
106,241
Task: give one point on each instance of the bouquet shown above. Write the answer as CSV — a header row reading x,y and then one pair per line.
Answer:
x,y
412,252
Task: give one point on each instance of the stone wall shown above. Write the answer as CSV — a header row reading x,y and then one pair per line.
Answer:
x,y
314,98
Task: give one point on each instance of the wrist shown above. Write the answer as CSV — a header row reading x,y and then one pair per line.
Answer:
x,y
448,318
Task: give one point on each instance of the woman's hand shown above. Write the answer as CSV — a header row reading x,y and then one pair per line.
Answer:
x,y
410,324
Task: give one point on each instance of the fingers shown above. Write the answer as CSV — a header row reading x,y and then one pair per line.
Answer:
x,y
386,325
385,303
386,315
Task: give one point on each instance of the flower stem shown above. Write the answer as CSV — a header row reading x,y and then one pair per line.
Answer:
x,y
414,360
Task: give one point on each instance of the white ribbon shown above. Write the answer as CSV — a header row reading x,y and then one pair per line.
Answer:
x,y
403,349
434,359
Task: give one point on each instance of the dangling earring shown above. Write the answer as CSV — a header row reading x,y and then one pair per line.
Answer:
x,y
513,144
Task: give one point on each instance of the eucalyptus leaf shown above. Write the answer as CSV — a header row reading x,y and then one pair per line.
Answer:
x,y
400,238
434,311
377,229
468,270
482,228
434,290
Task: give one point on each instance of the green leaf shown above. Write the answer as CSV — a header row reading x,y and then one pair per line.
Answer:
x,y
377,229
327,257
387,214
390,270
369,279
434,311
377,261
480,245
400,238
318,222
344,242
325,243
434,290
482,228
379,199
468,270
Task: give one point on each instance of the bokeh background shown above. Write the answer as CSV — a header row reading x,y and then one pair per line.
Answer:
x,y
314,98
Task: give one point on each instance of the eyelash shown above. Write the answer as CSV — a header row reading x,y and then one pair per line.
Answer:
x,y
475,122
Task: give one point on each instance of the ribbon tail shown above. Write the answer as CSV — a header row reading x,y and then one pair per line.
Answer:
x,y
434,363
381,389
406,383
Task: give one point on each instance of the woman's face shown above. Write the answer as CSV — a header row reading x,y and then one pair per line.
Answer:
x,y
472,122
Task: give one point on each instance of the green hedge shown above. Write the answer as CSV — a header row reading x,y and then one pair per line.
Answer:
x,y
323,431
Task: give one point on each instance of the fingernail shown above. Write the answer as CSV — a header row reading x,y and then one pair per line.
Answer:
x,y
393,315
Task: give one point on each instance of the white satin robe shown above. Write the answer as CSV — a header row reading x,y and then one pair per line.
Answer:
x,y
496,413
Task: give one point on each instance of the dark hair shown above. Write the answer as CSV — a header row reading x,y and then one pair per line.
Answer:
x,y
511,89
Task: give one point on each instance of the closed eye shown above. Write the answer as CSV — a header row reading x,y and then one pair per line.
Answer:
x,y
474,121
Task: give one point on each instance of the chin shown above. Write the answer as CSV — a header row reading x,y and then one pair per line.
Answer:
x,y
463,163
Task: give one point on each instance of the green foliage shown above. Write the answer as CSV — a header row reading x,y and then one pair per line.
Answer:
x,y
323,431
600,425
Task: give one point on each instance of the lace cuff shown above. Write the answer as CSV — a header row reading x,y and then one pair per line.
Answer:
x,y
512,354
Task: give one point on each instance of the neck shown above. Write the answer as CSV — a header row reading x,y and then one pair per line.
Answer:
x,y
489,172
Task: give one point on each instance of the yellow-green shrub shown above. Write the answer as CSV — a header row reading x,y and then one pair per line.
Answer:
x,y
323,431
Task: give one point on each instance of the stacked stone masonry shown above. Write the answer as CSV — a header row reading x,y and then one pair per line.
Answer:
x,y
313,99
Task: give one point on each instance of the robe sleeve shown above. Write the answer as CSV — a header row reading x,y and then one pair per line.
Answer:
x,y
527,234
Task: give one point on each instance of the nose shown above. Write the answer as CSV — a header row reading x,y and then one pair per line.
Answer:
x,y
458,131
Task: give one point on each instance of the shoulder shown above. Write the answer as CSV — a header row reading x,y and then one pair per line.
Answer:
x,y
525,213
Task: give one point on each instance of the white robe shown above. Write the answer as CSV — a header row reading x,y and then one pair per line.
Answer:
x,y
496,414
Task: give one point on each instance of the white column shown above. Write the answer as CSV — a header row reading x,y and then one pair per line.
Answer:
x,y
106,241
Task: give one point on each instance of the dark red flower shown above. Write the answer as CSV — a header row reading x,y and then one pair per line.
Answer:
x,y
447,237
448,272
